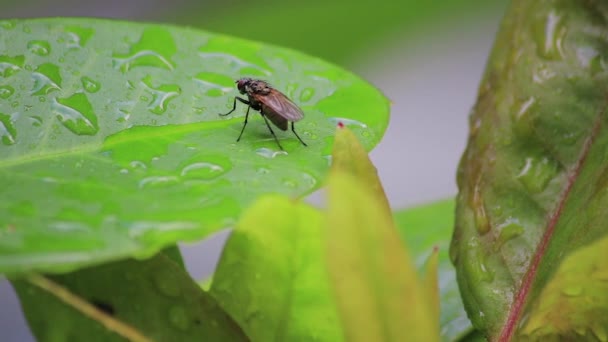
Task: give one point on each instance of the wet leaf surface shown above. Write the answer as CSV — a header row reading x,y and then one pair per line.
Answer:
x,y
112,147
532,180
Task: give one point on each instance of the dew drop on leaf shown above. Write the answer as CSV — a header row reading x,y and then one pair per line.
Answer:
x,y
202,170
6,91
166,285
154,49
573,291
269,153
179,318
47,78
10,65
39,47
76,114
161,95
90,85
8,132
158,181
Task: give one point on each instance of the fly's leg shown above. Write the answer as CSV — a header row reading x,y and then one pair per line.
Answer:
x,y
272,132
234,105
246,117
294,132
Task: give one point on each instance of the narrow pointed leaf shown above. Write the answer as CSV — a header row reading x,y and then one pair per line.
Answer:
x,y
431,284
111,145
423,228
272,277
378,293
574,304
156,297
532,179
349,155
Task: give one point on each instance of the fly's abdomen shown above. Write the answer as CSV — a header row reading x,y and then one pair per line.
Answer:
x,y
276,119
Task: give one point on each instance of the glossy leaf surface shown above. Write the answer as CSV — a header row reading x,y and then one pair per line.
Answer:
x,y
532,180
111,143
272,277
574,304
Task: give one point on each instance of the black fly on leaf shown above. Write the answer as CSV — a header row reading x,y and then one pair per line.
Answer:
x,y
271,104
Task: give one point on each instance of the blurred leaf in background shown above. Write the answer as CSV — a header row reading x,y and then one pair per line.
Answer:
x,y
337,30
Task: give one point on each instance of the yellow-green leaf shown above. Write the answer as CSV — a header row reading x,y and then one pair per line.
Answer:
x,y
272,277
349,155
378,293
431,283
574,304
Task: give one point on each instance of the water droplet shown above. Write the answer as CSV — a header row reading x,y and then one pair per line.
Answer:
x,y
39,47
549,33
77,36
202,170
179,318
536,174
214,84
136,164
10,65
8,132
36,121
7,24
90,85
573,291
476,262
268,153
161,95
166,284
508,230
6,91
124,171
47,78
479,210
542,73
258,276
309,180
158,181
290,183
306,94
76,114
262,171
26,29
347,122
154,49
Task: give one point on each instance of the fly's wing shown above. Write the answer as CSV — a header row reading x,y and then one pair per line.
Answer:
x,y
281,105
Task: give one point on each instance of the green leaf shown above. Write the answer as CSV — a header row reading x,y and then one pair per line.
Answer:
x,y
112,146
423,228
272,278
350,156
155,298
574,304
378,293
533,176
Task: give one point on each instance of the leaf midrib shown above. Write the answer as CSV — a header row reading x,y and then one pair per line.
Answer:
x,y
521,297
115,139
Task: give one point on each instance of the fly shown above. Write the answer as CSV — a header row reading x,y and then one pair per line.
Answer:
x,y
271,104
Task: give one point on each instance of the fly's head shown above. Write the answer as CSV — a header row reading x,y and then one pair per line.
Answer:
x,y
243,85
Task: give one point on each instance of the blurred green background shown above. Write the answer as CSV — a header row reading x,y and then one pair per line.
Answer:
x,y
426,56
